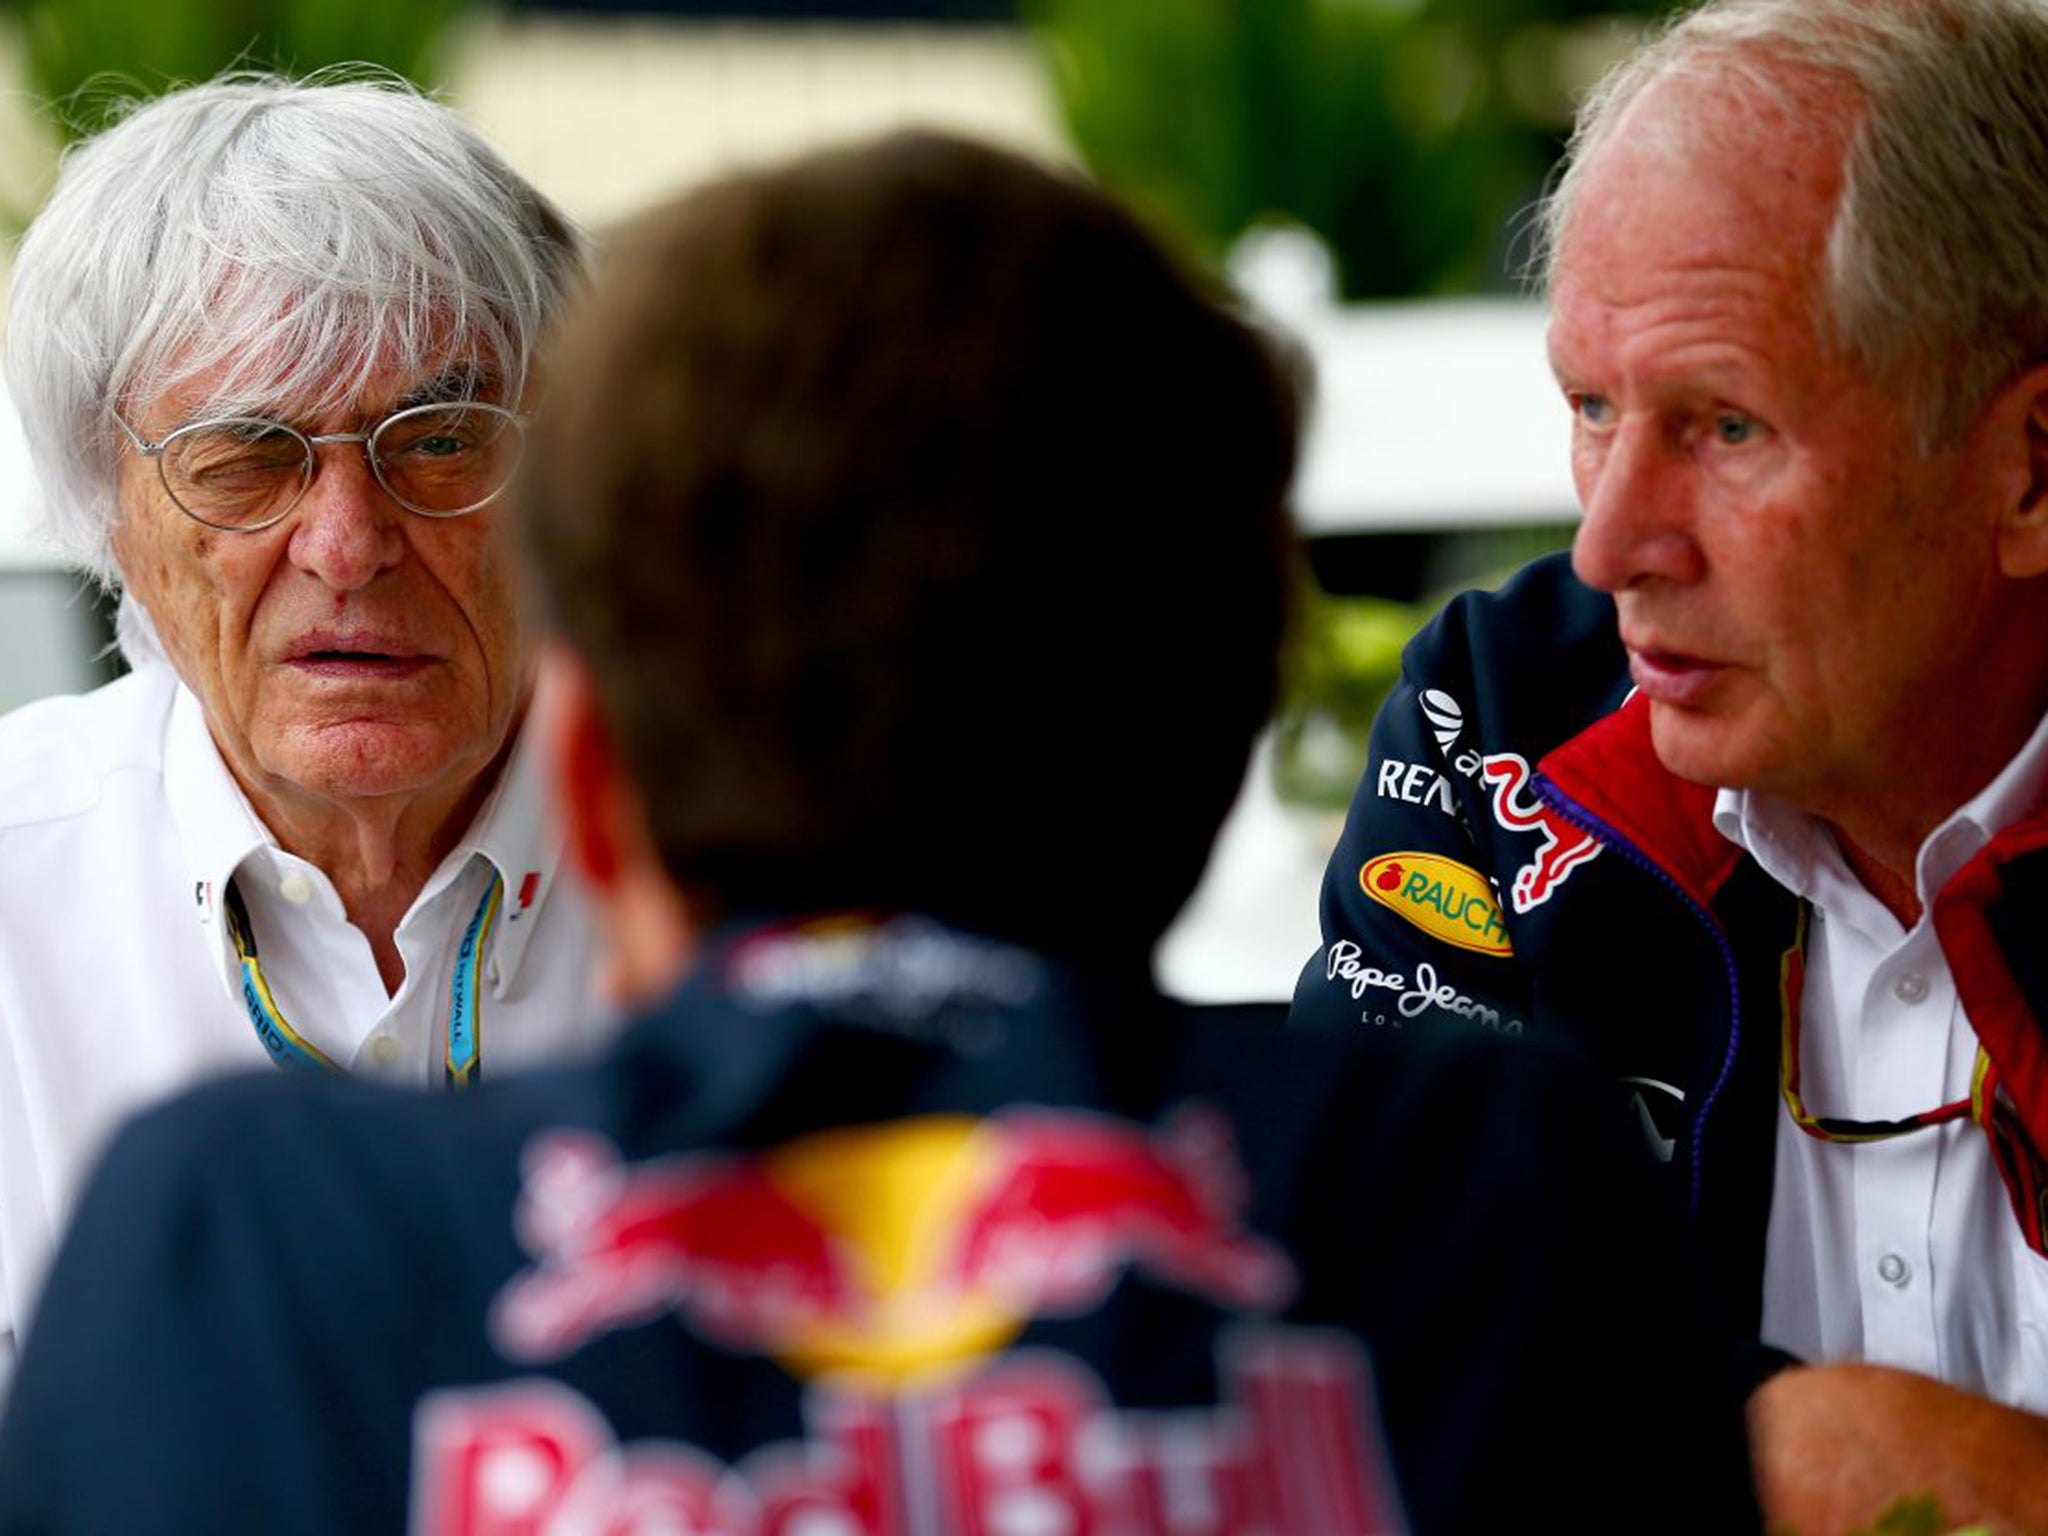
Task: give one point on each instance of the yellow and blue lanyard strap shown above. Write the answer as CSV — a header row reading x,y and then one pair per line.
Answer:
x,y
463,1065
2020,1167
1791,1000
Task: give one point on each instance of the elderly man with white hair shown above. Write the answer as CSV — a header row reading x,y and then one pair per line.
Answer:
x,y
271,347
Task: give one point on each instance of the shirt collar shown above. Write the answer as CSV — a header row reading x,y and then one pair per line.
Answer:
x,y
515,833
1797,851
220,831
216,824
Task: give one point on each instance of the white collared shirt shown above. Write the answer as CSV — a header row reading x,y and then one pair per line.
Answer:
x,y
1902,1252
120,828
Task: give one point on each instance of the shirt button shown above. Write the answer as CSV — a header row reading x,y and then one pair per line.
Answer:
x,y
1910,988
1893,1270
295,887
383,1050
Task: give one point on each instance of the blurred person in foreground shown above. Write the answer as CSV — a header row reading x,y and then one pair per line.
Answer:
x,y
915,534
271,348
1747,797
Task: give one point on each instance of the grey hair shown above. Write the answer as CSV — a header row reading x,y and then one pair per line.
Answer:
x,y
289,239
1936,269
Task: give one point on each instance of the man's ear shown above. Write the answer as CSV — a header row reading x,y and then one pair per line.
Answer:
x,y
646,935
2021,422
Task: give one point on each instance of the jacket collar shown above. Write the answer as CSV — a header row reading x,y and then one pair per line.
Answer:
x,y
2005,1018
892,1006
1609,777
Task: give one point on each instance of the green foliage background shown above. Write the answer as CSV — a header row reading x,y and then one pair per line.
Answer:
x,y
1407,133
81,52
1410,135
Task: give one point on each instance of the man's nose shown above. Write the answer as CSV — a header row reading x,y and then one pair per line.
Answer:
x,y
1636,491
347,529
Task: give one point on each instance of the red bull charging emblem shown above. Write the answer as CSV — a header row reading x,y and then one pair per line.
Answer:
x,y
1563,848
887,1265
889,1250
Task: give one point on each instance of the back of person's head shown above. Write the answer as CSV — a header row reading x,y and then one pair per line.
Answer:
x,y
1937,265
921,523
279,240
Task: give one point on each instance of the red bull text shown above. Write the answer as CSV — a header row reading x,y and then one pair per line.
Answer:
x,y
1032,1445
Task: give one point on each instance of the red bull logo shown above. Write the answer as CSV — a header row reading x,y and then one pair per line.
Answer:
x,y
1033,1445
621,1246
1564,846
889,1251
887,1264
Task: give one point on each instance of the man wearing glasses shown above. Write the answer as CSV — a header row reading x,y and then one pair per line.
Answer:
x,y
905,1205
270,344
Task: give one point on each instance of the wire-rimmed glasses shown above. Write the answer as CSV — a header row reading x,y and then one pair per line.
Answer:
x,y
245,473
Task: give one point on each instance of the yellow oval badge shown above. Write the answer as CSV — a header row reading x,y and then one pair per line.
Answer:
x,y
1446,900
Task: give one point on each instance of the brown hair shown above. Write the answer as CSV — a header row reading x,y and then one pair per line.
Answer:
x,y
922,524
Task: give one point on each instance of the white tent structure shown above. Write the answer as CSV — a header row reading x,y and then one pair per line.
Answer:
x,y
1436,415
1433,416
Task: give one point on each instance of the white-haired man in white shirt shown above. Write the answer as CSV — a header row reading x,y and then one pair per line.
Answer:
x,y
270,342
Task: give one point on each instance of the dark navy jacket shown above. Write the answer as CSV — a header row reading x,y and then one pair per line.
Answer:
x,y
1516,845
909,1228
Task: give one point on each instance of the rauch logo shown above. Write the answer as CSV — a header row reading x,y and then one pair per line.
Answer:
x,y
1445,899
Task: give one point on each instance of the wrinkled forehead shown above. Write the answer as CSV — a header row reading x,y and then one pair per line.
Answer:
x,y
252,349
302,391
1767,152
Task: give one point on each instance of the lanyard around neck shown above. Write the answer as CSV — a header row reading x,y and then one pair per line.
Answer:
x,y
463,1063
1792,996
2020,1166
